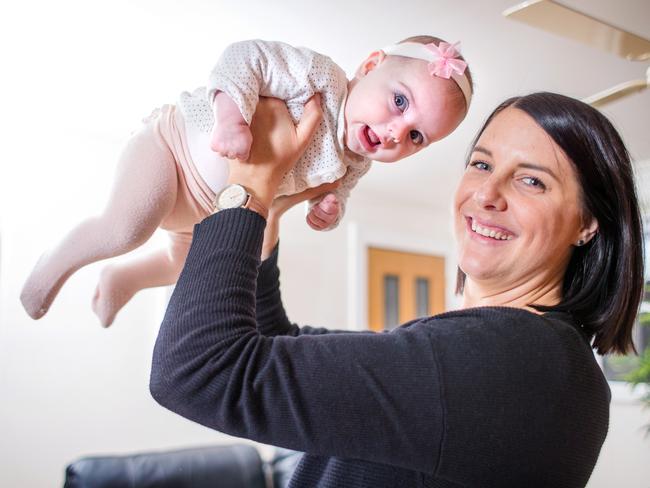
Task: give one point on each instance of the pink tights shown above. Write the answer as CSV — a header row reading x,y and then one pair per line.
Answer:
x,y
156,186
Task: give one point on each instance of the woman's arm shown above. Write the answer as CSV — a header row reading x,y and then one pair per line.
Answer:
x,y
347,395
271,317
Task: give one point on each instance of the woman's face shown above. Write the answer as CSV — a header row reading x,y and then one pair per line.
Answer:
x,y
517,209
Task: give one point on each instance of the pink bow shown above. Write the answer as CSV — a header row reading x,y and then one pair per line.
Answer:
x,y
446,61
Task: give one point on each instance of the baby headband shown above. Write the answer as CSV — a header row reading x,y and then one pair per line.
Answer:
x,y
443,61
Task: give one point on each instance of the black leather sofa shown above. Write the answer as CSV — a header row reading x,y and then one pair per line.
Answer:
x,y
231,466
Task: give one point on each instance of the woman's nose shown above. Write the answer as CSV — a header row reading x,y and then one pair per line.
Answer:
x,y
490,195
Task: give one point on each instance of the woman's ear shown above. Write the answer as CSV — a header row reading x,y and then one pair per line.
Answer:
x,y
588,231
370,63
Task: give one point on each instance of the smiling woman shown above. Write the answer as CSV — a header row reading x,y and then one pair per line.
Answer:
x,y
536,206
561,190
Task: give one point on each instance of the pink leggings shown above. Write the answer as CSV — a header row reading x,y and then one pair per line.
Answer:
x,y
156,185
164,135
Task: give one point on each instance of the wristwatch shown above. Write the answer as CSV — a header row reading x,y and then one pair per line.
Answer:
x,y
236,196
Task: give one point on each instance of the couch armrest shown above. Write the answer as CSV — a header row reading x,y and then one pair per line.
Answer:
x,y
234,466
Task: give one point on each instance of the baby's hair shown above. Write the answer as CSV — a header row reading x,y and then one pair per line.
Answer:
x,y
436,41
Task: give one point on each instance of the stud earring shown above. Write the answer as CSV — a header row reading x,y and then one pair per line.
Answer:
x,y
580,243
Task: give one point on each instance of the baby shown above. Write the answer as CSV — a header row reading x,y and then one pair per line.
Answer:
x,y
401,99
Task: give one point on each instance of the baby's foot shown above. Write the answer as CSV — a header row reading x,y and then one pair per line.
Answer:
x,y
232,140
110,295
41,288
325,213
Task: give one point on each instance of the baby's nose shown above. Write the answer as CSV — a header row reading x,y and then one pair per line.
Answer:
x,y
397,131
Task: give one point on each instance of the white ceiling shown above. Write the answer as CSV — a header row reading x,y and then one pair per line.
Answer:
x,y
104,65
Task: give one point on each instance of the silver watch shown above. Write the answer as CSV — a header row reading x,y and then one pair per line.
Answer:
x,y
236,196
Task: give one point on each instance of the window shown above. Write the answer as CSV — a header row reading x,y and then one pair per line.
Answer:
x,y
421,297
391,301
617,367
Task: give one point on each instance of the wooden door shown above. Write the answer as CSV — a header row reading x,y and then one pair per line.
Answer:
x,y
403,286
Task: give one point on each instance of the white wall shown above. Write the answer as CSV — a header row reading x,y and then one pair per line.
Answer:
x,y
624,457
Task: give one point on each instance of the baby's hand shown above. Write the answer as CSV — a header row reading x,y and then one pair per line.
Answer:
x,y
232,140
324,213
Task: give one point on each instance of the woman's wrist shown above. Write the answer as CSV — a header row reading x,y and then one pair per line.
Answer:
x,y
271,231
262,191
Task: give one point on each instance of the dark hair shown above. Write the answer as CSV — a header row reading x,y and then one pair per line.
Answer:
x,y
603,282
437,40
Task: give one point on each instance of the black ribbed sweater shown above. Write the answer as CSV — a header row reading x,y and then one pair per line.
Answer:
x,y
483,397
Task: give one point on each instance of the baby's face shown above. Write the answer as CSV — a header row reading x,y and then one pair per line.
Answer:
x,y
395,108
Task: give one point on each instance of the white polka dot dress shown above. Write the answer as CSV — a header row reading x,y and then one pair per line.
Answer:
x,y
249,69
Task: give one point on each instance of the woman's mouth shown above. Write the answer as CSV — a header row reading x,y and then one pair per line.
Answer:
x,y
495,233
368,139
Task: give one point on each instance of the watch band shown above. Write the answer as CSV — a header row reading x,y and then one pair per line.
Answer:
x,y
255,205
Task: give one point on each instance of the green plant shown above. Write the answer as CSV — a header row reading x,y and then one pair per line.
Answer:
x,y
640,375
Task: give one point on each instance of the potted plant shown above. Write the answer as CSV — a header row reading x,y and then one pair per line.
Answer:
x,y
640,375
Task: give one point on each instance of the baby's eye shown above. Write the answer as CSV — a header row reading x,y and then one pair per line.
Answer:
x,y
416,137
400,101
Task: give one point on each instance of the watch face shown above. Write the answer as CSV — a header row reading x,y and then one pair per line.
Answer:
x,y
232,196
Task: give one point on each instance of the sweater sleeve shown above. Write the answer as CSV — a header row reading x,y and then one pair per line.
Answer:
x,y
347,395
247,70
272,319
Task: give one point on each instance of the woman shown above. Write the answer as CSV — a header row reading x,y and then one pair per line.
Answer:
x,y
503,392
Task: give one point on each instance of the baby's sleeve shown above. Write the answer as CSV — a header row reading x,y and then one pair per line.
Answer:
x,y
348,182
247,70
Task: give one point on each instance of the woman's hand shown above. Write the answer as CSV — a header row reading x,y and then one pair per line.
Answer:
x,y
277,146
280,206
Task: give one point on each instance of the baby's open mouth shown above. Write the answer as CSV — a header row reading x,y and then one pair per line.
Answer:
x,y
368,138
372,137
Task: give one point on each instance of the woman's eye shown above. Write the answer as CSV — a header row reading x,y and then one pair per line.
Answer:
x,y
534,182
416,137
480,165
401,102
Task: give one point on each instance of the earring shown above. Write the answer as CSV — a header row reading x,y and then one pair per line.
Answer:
x,y
580,243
